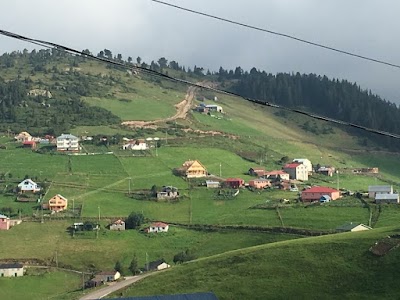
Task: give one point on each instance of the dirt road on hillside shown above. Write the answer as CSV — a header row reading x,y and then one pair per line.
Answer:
x,y
182,108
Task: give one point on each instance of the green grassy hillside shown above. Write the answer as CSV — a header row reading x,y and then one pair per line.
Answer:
x,y
327,267
228,144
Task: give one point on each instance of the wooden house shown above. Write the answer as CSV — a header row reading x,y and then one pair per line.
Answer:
x,y
194,169
57,203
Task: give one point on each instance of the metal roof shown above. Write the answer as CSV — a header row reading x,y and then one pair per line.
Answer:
x,y
380,188
386,196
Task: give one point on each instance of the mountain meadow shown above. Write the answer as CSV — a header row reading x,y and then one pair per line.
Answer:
x,y
253,244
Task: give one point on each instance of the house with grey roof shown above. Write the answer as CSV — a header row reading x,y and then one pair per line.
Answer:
x,y
67,143
379,189
11,270
386,198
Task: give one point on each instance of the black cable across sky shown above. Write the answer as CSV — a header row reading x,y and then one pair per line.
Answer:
x,y
379,61
59,47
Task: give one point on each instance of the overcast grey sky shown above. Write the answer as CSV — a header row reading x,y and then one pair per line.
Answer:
x,y
149,30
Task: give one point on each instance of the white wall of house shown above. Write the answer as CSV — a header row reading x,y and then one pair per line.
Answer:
x,y
158,228
67,142
11,272
305,162
28,185
163,266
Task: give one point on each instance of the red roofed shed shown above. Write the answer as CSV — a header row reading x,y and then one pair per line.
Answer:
x,y
316,192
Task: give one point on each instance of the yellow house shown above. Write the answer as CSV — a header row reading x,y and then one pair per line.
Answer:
x,y
194,169
58,203
23,137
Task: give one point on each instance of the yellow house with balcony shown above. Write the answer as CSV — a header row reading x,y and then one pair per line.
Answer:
x,y
194,169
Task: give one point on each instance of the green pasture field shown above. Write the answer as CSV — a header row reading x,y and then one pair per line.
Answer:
x,y
102,181
41,284
318,267
148,102
99,130
80,252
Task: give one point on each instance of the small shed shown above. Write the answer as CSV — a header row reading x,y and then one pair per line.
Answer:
x,y
157,265
212,184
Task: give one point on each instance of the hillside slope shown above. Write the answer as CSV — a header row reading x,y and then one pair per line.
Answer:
x,y
327,267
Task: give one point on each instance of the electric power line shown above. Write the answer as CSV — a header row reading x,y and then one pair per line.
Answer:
x,y
292,37
186,82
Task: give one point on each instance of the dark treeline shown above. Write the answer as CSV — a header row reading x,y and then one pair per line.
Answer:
x,y
42,114
338,99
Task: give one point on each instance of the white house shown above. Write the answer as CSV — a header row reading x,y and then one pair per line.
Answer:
x,y
353,227
157,227
296,171
28,185
117,225
67,142
135,145
373,190
213,107
11,270
212,184
157,265
305,162
386,198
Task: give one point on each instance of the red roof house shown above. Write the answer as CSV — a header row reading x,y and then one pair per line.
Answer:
x,y
316,192
4,222
296,171
234,183
157,227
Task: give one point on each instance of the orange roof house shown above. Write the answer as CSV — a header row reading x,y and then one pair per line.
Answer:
x,y
259,183
194,169
58,203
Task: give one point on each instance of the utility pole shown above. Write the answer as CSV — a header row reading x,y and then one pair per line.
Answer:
x,y
56,260
337,174
129,185
83,281
99,213
147,262
220,170
73,208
